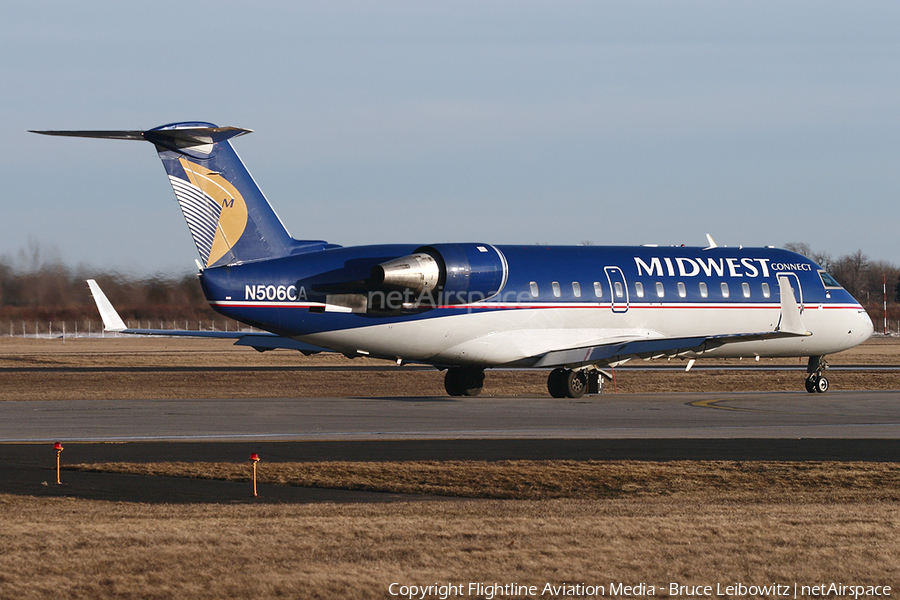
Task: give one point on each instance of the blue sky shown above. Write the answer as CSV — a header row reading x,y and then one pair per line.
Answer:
x,y
503,122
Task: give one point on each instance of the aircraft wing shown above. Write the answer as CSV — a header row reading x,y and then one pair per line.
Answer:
x,y
790,324
620,351
261,341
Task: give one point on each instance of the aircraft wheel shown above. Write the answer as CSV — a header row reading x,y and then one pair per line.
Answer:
x,y
566,383
576,384
811,384
556,383
464,381
822,385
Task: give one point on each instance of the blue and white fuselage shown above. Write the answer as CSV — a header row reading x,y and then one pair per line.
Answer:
x,y
553,299
470,306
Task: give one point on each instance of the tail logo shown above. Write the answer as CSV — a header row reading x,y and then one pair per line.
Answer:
x,y
214,210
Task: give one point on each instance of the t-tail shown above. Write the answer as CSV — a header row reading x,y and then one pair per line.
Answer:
x,y
227,214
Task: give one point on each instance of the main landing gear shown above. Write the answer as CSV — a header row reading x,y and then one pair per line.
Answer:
x,y
464,381
569,383
562,383
816,381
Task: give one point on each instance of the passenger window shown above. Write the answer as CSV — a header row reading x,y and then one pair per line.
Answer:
x,y
576,289
660,290
682,291
704,292
638,289
745,288
619,291
598,289
725,292
766,292
534,289
555,286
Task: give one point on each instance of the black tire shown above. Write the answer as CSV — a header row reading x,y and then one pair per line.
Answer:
x,y
556,383
822,385
464,381
811,383
452,382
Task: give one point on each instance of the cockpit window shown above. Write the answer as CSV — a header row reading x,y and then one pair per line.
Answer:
x,y
828,281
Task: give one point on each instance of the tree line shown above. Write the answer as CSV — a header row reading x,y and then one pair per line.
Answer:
x,y
40,288
45,289
865,278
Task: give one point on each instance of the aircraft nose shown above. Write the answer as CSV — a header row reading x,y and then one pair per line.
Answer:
x,y
867,328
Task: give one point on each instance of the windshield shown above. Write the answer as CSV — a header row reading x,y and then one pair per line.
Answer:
x,y
828,281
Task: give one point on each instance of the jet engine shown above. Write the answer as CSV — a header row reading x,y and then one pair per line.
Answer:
x,y
444,274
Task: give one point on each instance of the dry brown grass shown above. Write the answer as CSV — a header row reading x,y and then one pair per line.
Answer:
x,y
91,550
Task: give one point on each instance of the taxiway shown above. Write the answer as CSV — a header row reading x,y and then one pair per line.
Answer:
x,y
836,415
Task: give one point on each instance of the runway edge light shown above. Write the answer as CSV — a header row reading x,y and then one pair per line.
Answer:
x,y
59,448
254,458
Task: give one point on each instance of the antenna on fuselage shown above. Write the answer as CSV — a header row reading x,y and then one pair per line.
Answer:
x,y
712,242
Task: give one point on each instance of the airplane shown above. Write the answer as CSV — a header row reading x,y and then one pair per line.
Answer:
x,y
576,311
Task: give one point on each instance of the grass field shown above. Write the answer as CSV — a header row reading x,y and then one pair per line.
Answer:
x,y
685,529
531,523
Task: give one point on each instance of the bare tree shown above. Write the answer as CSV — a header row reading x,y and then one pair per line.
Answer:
x,y
823,259
852,272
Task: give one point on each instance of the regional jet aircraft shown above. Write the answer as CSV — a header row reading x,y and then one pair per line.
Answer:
x,y
467,307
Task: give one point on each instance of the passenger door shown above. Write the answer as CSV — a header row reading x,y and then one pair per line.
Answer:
x,y
618,289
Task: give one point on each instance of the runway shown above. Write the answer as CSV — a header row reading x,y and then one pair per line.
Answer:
x,y
781,415
842,426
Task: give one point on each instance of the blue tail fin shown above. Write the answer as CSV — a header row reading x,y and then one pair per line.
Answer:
x,y
228,216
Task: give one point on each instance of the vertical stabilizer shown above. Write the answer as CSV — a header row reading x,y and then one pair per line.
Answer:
x,y
228,216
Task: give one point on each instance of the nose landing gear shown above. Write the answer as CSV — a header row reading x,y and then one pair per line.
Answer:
x,y
815,381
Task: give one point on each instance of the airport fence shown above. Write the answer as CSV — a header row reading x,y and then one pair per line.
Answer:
x,y
88,328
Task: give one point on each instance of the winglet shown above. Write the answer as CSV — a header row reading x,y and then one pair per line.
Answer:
x,y
111,319
790,320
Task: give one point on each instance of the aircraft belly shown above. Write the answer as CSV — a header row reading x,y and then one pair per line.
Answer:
x,y
486,338
515,336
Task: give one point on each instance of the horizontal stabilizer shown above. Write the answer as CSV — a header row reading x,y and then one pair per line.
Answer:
x,y
184,137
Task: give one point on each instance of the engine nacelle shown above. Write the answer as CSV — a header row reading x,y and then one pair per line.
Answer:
x,y
443,274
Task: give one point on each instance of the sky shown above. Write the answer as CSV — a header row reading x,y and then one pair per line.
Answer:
x,y
622,123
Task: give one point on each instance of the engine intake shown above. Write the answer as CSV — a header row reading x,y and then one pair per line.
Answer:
x,y
445,274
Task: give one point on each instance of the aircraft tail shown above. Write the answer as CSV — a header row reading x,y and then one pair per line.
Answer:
x,y
229,218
